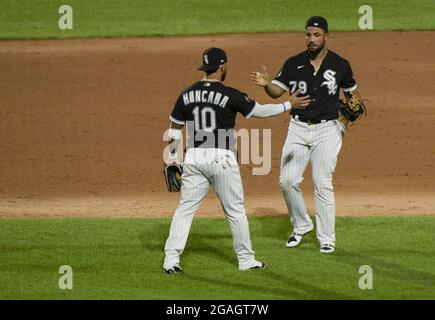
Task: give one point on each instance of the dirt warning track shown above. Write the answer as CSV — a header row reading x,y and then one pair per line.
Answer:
x,y
81,123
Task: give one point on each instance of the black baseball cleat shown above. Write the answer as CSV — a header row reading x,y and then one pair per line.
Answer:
x,y
173,270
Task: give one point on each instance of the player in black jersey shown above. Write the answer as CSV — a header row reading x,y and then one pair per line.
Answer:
x,y
315,133
208,108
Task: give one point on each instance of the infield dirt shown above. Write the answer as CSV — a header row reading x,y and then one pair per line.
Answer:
x,y
81,123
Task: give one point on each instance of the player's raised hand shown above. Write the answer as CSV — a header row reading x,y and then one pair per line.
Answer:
x,y
260,78
299,102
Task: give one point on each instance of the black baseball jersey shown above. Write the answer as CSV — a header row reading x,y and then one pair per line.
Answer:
x,y
209,110
334,74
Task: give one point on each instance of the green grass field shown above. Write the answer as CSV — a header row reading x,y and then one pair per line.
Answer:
x,y
122,258
30,19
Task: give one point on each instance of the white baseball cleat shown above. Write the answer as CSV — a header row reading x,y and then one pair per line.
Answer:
x,y
254,264
326,248
295,239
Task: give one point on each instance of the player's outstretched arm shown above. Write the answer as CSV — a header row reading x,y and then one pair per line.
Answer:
x,y
262,79
270,110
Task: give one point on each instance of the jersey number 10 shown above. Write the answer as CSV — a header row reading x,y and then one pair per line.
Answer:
x,y
204,119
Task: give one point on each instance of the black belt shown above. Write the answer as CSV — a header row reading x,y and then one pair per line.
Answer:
x,y
309,121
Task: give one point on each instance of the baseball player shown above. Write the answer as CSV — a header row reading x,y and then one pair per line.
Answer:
x,y
208,108
315,133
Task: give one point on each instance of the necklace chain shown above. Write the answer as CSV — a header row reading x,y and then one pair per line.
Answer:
x,y
211,80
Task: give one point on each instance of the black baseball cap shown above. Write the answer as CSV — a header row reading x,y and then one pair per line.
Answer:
x,y
212,59
317,21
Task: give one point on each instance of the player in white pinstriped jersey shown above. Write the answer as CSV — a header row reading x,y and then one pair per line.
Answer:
x,y
209,110
314,133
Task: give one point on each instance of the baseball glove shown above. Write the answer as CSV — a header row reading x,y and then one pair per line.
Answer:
x,y
172,173
351,109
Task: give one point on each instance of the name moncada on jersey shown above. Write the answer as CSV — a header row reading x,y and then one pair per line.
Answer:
x,y
200,96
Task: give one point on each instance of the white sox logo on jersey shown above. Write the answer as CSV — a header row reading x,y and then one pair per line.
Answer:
x,y
330,82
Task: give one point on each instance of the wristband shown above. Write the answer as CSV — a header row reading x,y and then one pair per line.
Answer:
x,y
287,106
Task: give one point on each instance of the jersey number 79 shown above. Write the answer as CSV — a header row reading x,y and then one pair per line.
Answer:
x,y
302,85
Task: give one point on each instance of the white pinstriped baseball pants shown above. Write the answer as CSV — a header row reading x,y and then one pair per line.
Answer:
x,y
321,144
204,167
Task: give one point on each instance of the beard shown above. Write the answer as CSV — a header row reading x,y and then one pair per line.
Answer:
x,y
312,53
